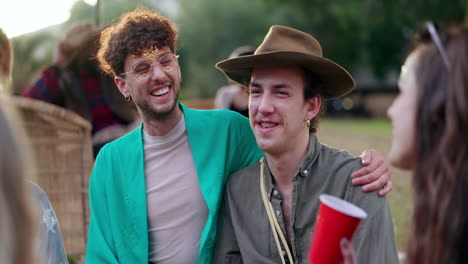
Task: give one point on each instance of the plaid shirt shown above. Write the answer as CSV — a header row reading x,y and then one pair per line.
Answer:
x,y
47,89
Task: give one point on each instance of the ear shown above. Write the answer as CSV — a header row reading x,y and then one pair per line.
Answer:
x,y
121,83
180,75
312,107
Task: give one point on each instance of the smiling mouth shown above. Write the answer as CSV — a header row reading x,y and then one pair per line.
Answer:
x,y
160,92
267,125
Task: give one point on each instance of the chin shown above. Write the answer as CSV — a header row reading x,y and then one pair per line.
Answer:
x,y
271,149
401,161
263,145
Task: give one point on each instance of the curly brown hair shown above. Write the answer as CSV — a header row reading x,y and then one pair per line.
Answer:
x,y
136,30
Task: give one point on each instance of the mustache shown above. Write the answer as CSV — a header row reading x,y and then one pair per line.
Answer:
x,y
160,83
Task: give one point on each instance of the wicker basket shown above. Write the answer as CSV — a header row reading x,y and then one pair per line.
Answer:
x,y
62,147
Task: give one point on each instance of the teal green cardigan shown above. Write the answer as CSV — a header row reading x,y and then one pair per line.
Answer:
x,y
221,142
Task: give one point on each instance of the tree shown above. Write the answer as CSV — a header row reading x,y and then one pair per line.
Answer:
x,y
30,53
209,31
35,50
374,33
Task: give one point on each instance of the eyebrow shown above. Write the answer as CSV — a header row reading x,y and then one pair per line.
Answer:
x,y
162,53
275,86
146,60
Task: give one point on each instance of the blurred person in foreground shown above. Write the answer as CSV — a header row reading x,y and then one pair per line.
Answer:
x,y
270,207
232,96
75,81
154,194
48,242
17,215
6,61
430,138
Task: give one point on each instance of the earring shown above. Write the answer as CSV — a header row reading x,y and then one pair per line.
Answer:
x,y
308,122
128,98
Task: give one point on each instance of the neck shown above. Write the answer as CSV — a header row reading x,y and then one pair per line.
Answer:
x,y
162,126
283,166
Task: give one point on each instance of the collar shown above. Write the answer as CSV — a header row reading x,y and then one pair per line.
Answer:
x,y
303,170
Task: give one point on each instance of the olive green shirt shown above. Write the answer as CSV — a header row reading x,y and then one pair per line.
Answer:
x,y
245,236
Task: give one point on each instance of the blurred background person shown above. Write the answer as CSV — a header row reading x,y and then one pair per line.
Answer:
x,y
17,164
232,96
75,81
430,128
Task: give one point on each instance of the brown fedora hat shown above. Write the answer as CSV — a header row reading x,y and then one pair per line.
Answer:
x,y
285,46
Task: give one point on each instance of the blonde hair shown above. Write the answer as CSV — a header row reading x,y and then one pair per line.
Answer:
x,y
17,214
6,61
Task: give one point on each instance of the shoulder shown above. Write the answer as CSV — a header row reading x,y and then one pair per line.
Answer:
x,y
341,165
244,178
340,158
123,153
127,141
332,168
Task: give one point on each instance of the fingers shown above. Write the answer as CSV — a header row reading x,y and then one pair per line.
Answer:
x,y
366,157
374,175
374,178
387,188
380,177
371,160
347,251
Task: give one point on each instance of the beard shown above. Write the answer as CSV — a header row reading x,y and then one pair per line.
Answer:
x,y
155,113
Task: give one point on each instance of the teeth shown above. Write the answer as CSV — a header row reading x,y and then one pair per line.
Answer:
x,y
267,124
161,91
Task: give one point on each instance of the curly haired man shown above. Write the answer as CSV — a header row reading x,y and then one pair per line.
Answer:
x,y
155,193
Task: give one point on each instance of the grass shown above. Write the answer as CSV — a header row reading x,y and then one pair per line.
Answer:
x,y
357,135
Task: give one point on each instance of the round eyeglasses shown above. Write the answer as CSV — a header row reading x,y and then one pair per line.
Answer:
x,y
144,70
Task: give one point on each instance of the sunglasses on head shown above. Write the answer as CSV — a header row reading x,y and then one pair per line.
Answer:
x,y
431,33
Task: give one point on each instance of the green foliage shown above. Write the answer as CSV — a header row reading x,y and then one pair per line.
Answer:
x,y
30,53
36,50
209,31
108,10
374,33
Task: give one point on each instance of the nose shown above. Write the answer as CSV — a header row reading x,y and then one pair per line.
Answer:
x,y
157,71
266,105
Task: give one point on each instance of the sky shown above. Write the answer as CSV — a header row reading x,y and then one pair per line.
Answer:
x,y
18,17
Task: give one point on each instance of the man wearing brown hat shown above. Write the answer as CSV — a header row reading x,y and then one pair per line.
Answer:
x,y
155,192
288,79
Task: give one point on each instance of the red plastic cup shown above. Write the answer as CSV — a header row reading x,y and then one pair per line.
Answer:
x,y
336,219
